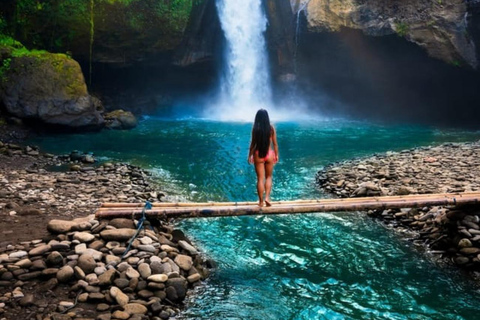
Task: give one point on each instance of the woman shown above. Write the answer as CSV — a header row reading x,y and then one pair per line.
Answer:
x,y
261,154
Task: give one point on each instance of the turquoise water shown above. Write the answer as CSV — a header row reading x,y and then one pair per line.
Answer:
x,y
315,266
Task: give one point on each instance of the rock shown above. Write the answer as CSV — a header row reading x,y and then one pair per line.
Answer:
x,y
120,119
27,300
55,258
122,223
118,234
122,315
132,273
180,286
158,278
65,274
464,243
144,270
18,254
83,236
49,88
135,308
470,251
187,247
102,307
87,263
184,262
194,277
106,278
121,298
60,226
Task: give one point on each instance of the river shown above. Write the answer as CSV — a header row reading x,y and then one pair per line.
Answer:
x,y
312,266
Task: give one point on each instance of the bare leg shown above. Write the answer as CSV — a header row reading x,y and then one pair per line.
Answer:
x,y
268,180
260,170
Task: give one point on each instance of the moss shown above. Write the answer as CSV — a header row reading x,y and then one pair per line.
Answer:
x,y
402,29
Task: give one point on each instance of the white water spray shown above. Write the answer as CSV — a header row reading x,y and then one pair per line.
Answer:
x,y
245,86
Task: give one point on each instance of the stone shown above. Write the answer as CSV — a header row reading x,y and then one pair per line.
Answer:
x,y
147,248
55,258
79,273
132,273
121,223
121,283
121,315
24,264
187,247
65,274
118,234
103,307
27,300
83,236
18,254
60,226
180,286
121,298
194,277
135,308
144,270
464,243
80,248
87,263
158,278
104,316
120,119
470,251
146,240
184,262
111,260
145,294
107,278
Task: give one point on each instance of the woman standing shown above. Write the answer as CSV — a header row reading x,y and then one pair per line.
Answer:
x,y
262,156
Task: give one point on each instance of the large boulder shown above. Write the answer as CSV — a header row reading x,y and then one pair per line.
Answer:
x,y
440,27
47,87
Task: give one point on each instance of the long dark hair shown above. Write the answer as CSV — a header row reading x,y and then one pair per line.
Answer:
x,y
261,133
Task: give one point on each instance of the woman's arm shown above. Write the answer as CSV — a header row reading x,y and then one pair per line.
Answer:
x,y
251,150
275,145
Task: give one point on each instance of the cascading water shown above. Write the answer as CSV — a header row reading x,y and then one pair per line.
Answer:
x,y
245,85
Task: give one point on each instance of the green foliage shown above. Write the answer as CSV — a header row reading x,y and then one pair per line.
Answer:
x,y
456,63
4,67
3,24
402,29
63,25
18,49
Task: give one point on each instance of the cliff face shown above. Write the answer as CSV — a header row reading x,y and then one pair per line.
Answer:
x,y
441,27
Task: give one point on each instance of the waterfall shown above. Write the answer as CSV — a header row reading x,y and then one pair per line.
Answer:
x,y
245,85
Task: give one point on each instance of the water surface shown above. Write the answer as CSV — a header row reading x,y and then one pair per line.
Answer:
x,y
312,266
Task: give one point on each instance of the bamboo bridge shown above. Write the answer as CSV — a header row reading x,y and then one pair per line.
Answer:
x,y
220,209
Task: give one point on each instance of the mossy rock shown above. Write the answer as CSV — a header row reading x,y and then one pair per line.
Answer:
x,y
120,119
48,87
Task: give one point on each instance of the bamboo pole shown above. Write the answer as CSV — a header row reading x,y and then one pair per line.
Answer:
x,y
110,206
345,204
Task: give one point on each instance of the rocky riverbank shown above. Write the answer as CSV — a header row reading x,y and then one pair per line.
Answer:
x,y
58,262
451,234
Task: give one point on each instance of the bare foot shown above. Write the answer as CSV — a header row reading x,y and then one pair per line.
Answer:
x,y
268,203
260,204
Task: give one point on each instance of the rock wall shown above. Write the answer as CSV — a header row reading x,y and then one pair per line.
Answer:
x,y
440,27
